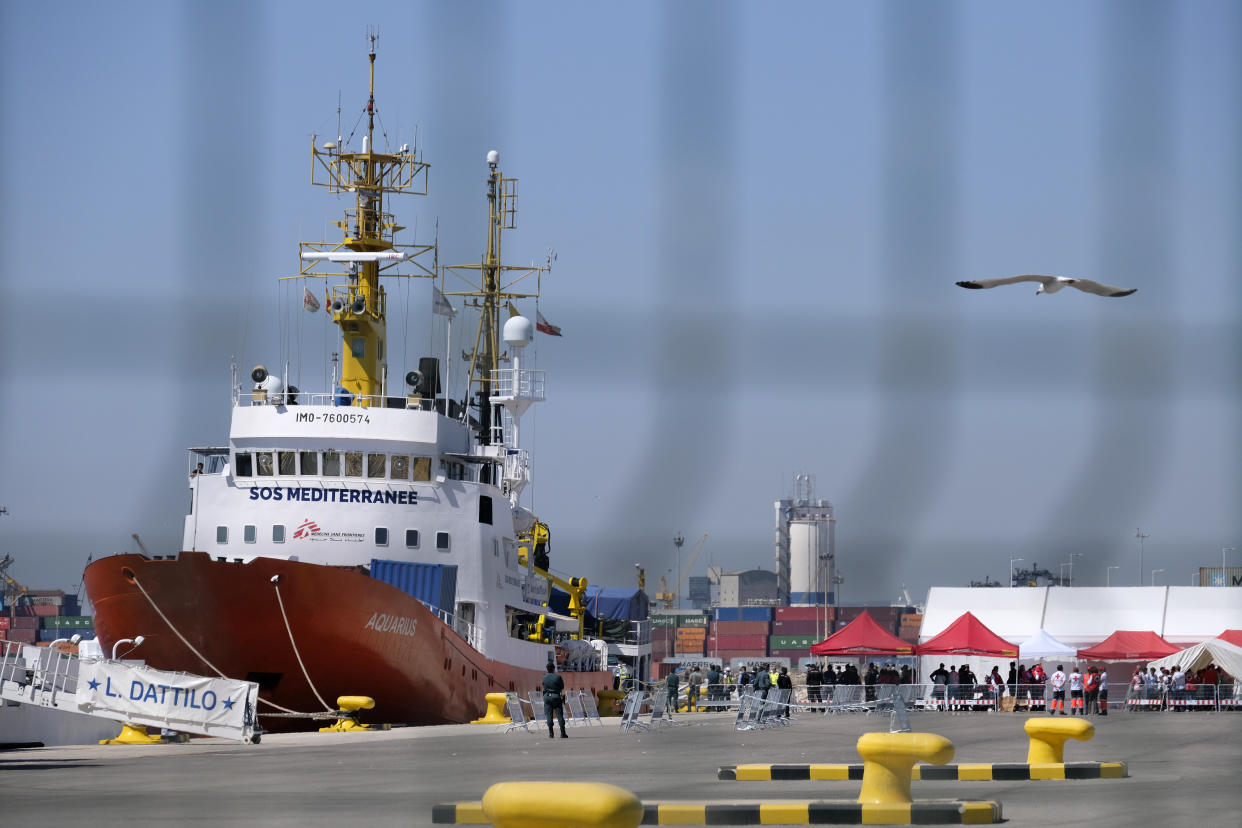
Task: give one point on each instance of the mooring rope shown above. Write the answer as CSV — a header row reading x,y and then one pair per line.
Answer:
x,y
294,644
184,641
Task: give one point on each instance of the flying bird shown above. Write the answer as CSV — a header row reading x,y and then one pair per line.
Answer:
x,y
1051,284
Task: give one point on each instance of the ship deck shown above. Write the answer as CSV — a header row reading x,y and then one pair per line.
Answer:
x,y
1182,769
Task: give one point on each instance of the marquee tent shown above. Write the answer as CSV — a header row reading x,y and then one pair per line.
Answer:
x,y
1214,651
1129,645
1234,637
1043,646
967,636
862,636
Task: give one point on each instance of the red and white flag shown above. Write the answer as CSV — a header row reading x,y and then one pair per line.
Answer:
x,y
310,302
544,326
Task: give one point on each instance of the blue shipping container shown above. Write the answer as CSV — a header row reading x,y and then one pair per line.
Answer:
x,y
742,614
433,584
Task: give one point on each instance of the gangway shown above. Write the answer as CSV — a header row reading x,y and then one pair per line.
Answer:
x,y
129,692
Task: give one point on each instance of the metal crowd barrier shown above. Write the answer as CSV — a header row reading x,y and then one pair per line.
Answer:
x,y
1214,697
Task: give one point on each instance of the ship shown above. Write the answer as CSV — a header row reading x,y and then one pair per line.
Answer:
x,y
360,541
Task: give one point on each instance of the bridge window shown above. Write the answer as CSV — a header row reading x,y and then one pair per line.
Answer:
x,y
381,536
353,464
411,538
310,462
287,461
222,534
243,464
249,533
358,347
422,468
376,464
400,467
264,460
332,464
278,533
442,541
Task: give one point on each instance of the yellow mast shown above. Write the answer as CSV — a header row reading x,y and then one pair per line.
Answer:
x,y
358,305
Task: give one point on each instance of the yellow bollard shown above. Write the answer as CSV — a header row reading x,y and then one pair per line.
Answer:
x,y
132,734
350,705
607,701
1048,737
561,805
495,710
888,762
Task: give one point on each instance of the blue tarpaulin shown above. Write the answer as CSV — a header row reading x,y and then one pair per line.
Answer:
x,y
606,603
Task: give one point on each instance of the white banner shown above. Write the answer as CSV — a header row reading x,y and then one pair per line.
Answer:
x,y
179,701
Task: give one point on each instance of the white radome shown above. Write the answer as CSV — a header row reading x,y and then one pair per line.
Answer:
x,y
519,332
1051,284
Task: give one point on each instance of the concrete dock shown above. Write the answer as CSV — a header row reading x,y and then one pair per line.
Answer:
x,y
1183,770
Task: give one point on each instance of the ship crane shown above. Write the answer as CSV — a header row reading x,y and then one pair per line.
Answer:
x,y
667,598
538,538
12,589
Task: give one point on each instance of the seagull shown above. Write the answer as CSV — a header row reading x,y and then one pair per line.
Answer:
x,y
1051,284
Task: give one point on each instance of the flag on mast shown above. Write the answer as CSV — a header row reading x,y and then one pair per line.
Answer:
x,y
440,303
513,311
544,326
309,302
327,301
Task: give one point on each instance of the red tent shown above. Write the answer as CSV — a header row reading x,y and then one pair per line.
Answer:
x,y
1232,636
1130,645
862,636
968,636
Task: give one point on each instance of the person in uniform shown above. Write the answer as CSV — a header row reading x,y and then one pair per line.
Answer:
x,y
784,682
1103,698
1075,683
554,698
671,686
814,679
1057,680
693,682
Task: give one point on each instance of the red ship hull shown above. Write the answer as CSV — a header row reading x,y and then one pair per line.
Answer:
x,y
356,636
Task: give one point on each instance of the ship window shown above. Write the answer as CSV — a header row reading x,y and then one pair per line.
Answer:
x,y
358,347
353,464
422,468
222,534
442,541
400,467
381,536
278,533
243,467
287,461
249,533
332,464
264,459
496,549
411,538
310,462
376,464
485,510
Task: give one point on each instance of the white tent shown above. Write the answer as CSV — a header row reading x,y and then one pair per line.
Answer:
x,y
1214,650
1043,646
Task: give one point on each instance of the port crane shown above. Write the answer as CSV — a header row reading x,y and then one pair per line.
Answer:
x,y
666,598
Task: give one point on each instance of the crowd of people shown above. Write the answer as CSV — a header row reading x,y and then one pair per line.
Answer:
x,y
1076,692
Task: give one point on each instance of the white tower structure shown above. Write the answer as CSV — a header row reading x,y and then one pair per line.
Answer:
x,y
805,547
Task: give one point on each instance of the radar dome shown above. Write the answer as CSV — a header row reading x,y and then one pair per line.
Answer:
x,y
519,332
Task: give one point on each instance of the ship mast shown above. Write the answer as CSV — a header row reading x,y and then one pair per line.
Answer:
x,y
368,250
490,286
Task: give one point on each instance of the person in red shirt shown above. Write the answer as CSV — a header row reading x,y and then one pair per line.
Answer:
x,y
1091,684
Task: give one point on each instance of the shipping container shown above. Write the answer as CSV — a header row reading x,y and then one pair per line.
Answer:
x,y
25,622
63,621
737,642
46,593
4,622
742,614
792,642
672,618
800,627
689,648
741,628
46,600
803,613
44,610
795,656
22,636
433,584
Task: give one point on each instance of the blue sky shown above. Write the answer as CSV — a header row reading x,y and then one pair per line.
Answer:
x,y
759,212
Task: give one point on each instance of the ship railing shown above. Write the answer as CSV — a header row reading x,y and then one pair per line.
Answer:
x,y
639,633
518,383
338,399
471,632
36,675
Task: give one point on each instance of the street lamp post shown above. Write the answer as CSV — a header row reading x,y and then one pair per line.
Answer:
x,y
1109,573
1138,533
1071,564
678,540
1011,563
1153,575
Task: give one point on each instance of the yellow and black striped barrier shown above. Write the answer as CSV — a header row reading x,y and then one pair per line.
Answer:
x,y
992,772
929,812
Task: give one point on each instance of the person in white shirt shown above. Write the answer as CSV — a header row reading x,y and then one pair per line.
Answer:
x,y
1058,691
1075,683
1104,692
